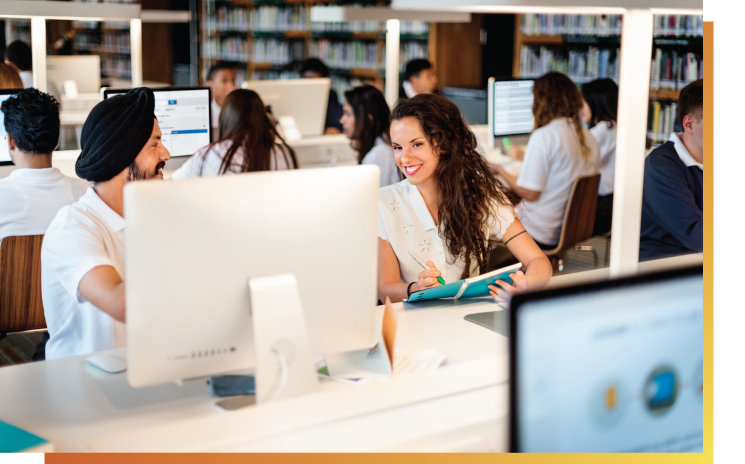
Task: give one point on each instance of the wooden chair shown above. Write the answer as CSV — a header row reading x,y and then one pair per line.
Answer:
x,y
579,219
21,308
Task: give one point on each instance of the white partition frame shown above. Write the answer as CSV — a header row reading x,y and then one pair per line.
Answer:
x,y
393,20
636,47
40,11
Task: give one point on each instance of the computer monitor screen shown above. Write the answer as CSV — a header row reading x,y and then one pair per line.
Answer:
x,y
472,103
85,70
4,153
511,107
183,116
613,367
194,245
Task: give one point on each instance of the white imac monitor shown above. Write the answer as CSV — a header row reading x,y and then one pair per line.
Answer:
x,y
85,70
184,115
306,100
610,367
510,108
4,152
194,245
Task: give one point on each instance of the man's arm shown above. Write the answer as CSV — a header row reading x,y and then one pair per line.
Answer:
x,y
104,287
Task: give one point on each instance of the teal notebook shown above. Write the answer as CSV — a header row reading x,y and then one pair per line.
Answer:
x,y
13,439
473,287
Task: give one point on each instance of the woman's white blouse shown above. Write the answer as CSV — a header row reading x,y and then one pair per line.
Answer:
x,y
381,154
207,163
404,222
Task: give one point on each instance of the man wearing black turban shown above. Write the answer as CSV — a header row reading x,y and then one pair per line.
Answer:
x,y
82,255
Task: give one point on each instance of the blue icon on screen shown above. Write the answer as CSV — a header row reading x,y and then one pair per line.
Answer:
x,y
660,390
172,102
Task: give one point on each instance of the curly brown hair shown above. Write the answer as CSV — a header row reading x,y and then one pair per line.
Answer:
x,y
468,186
556,96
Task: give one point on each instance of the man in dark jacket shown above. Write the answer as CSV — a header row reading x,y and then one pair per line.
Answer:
x,y
673,199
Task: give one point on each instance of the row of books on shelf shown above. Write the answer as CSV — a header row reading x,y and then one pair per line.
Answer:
x,y
93,25
280,18
561,24
227,49
116,66
661,121
409,51
679,25
673,70
580,65
227,19
115,42
346,55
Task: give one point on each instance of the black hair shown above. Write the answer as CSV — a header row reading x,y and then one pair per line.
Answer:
x,y
32,119
601,96
217,68
19,53
372,118
315,65
691,101
414,67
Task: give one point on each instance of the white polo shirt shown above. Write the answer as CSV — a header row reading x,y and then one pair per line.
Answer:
x,y
31,198
208,164
606,137
404,222
381,154
82,236
683,153
553,161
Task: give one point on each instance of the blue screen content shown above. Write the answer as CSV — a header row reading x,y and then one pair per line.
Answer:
x,y
617,370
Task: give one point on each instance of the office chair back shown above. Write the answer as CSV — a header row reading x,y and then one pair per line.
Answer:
x,y
579,215
21,307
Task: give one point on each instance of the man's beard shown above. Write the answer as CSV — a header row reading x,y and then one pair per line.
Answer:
x,y
134,172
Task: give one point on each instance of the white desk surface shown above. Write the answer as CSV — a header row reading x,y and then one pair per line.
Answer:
x,y
455,408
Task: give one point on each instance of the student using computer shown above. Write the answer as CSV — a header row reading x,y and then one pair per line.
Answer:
x,y
33,193
221,81
9,78
366,121
249,142
560,150
18,55
600,111
82,257
419,78
314,68
447,209
673,198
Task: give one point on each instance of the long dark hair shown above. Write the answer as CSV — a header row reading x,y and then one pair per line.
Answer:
x,y
372,118
468,187
601,96
244,121
556,96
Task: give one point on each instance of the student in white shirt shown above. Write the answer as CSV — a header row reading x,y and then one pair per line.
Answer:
x,y
250,142
559,151
82,257
447,209
600,110
221,81
366,120
31,196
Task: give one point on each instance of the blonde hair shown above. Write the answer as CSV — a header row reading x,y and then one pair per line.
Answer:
x,y
556,96
9,78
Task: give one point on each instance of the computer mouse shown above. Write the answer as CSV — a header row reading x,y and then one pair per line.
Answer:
x,y
107,363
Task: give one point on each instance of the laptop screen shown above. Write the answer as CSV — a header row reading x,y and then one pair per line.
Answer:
x,y
614,369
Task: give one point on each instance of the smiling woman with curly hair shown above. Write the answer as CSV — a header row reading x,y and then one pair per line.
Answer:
x,y
447,209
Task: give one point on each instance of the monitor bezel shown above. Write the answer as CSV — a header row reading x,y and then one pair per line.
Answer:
x,y
111,91
8,92
490,107
520,300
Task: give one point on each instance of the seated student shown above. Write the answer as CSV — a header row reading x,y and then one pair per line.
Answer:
x,y
221,81
31,196
559,151
9,78
314,68
82,257
600,110
367,121
419,78
18,55
249,142
447,209
673,198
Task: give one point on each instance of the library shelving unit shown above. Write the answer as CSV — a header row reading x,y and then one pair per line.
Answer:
x,y
586,47
269,40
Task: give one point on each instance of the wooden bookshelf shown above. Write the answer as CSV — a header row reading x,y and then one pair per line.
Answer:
x,y
664,94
